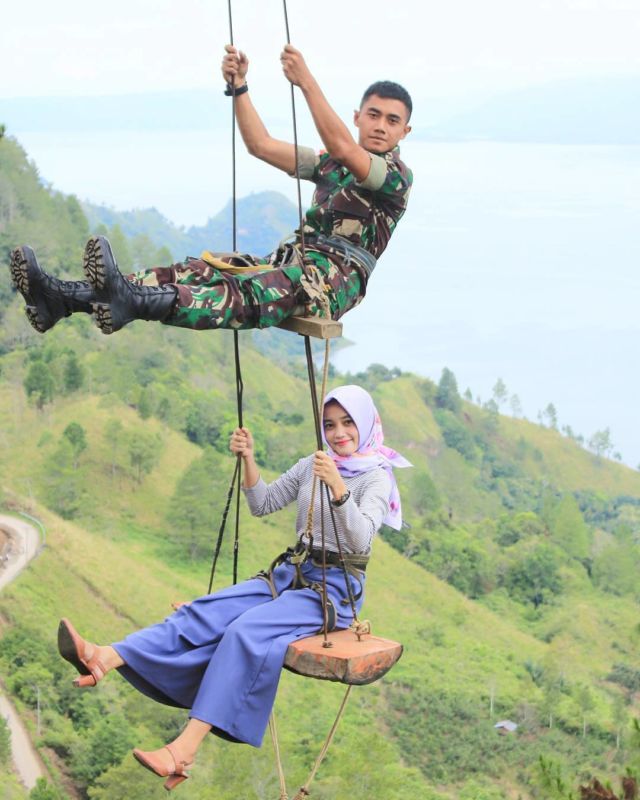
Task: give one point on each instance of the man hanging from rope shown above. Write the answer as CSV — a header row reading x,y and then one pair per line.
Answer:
x,y
362,188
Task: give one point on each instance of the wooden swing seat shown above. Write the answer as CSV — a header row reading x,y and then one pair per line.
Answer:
x,y
348,660
317,327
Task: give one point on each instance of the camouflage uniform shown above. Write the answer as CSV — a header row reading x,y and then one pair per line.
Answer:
x,y
319,278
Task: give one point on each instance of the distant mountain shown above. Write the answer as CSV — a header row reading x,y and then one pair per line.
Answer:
x,y
581,111
263,219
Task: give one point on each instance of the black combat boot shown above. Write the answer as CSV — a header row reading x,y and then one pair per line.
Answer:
x,y
48,299
122,301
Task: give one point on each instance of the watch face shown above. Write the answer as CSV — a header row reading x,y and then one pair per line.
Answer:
x,y
341,500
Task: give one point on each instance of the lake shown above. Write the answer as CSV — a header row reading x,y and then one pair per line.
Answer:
x,y
517,261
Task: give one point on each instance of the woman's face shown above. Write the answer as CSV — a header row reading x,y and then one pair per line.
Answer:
x,y
340,430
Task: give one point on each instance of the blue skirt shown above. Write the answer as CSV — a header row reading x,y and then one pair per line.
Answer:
x,y
221,655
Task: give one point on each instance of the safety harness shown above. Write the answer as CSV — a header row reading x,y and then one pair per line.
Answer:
x,y
352,564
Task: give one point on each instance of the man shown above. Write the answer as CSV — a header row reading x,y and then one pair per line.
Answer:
x,y
362,188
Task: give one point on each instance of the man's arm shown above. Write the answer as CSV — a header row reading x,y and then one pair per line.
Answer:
x,y
254,134
335,135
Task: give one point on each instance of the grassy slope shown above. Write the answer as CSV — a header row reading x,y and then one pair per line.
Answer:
x,y
111,579
109,571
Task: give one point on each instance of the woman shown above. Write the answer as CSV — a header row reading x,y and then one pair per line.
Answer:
x,y
221,655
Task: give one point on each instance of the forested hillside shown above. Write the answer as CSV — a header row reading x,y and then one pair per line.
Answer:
x,y
513,587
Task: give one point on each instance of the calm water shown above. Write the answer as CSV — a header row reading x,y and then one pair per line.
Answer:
x,y
513,261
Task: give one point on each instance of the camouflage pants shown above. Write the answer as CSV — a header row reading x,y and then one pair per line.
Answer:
x,y
209,298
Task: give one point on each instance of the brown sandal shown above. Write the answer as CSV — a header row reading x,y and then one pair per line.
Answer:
x,y
150,761
72,647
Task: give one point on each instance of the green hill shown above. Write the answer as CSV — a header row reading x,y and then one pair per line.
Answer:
x,y
513,589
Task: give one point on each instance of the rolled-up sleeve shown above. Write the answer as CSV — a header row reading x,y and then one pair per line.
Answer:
x,y
307,162
377,174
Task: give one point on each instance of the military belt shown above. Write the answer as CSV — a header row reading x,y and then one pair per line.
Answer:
x,y
348,250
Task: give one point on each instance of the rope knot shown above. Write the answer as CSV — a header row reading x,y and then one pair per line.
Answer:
x,y
360,628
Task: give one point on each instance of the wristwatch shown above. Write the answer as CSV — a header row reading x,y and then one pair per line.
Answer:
x,y
341,500
232,91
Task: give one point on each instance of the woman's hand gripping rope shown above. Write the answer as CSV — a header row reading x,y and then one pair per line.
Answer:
x,y
324,468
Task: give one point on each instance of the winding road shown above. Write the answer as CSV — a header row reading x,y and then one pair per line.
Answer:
x,y
24,545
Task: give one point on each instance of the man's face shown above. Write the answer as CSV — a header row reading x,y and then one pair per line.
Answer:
x,y
382,122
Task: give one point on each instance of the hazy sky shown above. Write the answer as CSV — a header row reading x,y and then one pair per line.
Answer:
x,y
449,54
75,47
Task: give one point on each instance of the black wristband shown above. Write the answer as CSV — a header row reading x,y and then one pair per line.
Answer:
x,y
341,500
231,92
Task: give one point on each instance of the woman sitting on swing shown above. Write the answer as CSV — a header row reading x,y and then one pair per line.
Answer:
x,y
221,655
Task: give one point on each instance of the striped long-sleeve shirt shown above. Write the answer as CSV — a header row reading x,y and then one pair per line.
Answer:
x,y
357,520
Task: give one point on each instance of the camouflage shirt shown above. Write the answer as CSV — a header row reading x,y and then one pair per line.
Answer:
x,y
366,213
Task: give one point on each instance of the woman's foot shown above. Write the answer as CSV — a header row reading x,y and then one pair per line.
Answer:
x,y
166,763
87,658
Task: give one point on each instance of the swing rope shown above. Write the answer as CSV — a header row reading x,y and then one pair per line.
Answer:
x,y
304,789
236,480
295,137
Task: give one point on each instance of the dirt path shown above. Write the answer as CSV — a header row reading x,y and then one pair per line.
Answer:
x,y
25,541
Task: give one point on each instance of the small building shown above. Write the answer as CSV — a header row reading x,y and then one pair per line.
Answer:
x,y
506,726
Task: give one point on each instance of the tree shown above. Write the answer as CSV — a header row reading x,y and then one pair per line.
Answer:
x,y
113,434
73,374
551,779
63,482
568,528
38,383
516,406
196,506
145,406
601,443
447,394
551,415
455,434
513,528
492,407
75,433
144,452
584,698
104,745
620,717
500,392
534,578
